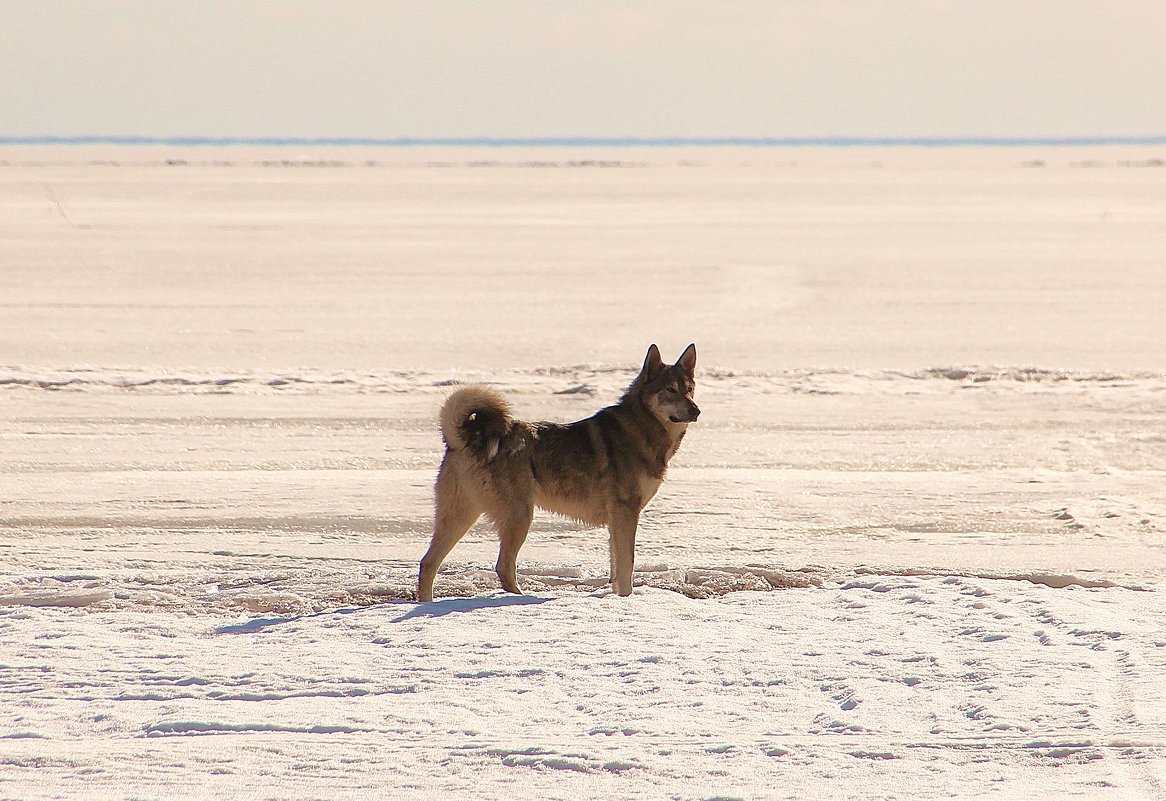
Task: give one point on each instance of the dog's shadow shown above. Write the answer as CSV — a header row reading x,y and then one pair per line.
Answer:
x,y
432,609
448,606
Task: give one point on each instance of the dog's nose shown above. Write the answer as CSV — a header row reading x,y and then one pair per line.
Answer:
x,y
695,412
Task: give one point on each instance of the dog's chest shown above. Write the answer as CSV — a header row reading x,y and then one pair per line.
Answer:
x,y
648,486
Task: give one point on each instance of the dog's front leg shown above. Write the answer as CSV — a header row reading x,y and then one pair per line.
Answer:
x,y
622,543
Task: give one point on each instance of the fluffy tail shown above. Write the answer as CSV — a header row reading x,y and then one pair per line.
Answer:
x,y
476,419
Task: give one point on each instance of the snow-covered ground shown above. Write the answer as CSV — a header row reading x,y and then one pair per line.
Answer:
x,y
881,567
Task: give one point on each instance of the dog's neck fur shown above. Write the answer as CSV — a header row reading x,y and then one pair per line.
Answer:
x,y
665,436
675,432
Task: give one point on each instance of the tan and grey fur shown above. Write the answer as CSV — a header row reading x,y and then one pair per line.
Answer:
x,y
602,470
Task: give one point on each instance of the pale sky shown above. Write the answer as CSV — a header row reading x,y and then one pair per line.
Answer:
x,y
596,68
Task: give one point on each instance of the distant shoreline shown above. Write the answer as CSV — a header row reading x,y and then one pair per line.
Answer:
x,y
647,142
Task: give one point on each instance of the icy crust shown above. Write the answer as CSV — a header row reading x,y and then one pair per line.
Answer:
x,y
566,380
319,590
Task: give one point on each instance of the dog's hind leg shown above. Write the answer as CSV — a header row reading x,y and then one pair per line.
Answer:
x,y
513,525
453,517
622,528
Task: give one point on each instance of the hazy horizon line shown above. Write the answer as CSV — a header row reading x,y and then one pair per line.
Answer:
x,y
590,141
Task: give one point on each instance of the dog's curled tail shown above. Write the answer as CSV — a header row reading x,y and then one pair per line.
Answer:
x,y
475,418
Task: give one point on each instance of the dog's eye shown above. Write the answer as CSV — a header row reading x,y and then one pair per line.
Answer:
x,y
671,390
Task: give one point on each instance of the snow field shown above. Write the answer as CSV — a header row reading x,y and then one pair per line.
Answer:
x,y
913,548
970,687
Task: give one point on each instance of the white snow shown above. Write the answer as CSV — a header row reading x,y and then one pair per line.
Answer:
x,y
913,548
916,687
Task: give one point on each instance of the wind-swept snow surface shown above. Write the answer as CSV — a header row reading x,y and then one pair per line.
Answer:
x,y
916,576
880,687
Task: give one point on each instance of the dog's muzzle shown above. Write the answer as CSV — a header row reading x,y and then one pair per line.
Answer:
x,y
690,417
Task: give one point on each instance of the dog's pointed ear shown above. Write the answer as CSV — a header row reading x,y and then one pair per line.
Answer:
x,y
687,360
652,362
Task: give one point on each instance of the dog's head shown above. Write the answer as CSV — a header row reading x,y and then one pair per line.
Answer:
x,y
667,389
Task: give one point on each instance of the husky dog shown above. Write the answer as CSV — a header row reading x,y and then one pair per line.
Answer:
x,y
602,470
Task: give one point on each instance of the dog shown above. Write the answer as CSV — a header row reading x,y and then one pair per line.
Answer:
x,y
602,470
